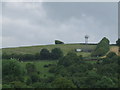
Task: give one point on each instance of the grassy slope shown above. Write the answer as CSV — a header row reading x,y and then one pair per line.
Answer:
x,y
36,49
64,47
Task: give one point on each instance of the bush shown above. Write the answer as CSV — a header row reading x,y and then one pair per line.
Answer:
x,y
58,42
12,70
52,69
37,56
111,54
28,57
30,67
34,77
44,54
56,53
18,84
69,59
62,82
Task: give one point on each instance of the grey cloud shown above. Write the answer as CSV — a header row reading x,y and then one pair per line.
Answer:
x,y
42,23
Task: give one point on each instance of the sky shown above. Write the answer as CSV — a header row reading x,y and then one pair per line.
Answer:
x,y
40,23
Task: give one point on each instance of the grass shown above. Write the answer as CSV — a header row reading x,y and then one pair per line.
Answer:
x,y
91,62
64,47
44,72
36,49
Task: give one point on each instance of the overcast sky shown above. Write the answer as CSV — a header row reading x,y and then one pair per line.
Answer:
x,y
42,23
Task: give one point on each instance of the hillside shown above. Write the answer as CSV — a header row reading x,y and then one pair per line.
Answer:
x,y
36,49
64,47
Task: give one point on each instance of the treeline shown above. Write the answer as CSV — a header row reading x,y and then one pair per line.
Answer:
x,y
71,71
44,54
79,74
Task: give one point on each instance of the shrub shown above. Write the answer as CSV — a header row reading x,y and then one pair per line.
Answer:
x,y
56,53
28,57
62,82
34,77
69,59
12,70
44,54
30,67
111,54
37,56
58,42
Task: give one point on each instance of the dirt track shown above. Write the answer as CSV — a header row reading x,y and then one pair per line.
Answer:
x,y
115,49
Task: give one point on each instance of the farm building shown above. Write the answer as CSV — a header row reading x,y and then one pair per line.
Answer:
x,y
78,50
83,50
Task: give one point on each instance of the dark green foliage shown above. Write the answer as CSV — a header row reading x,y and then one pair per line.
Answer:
x,y
40,85
118,42
44,54
71,71
12,70
62,82
111,54
28,81
56,53
69,59
34,77
37,56
28,57
5,56
58,42
52,69
102,47
30,67
18,84
86,75
6,86
105,82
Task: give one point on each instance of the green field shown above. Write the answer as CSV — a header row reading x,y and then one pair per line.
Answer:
x,y
40,66
36,49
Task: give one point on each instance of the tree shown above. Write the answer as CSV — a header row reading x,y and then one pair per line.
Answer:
x,y
28,57
105,82
44,54
69,59
40,85
37,56
28,81
102,48
5,56
56,53
118,43
30,67
34,77
12,70
58,42
18,84
62,82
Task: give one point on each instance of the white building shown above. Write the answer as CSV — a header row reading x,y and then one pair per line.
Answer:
x,y
78,50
